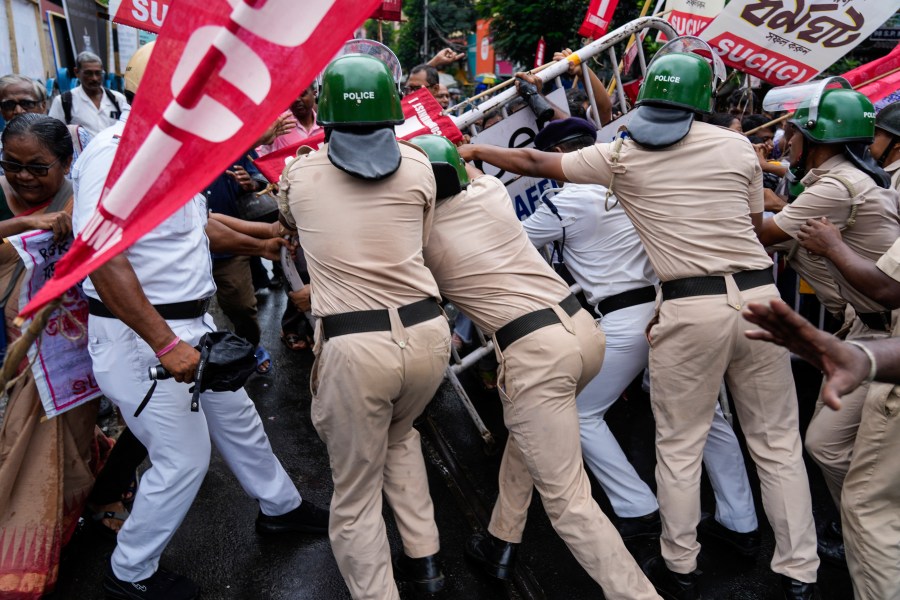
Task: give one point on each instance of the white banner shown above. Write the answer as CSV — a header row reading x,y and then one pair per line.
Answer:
x,y
60,361
790,41
690,17
518,131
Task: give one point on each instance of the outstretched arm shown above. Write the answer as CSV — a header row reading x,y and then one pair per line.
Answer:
x,y
820,236
524,161
845,366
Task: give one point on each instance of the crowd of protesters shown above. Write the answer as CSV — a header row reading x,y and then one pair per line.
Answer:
x,y
670,236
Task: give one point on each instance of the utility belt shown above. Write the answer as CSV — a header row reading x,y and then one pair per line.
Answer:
x,y
715,284
880,321
522,326
362,321
190,309
625,300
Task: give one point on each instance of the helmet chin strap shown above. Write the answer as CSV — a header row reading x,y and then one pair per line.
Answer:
x,y
887,151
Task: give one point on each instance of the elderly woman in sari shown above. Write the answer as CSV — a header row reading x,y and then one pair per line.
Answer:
x,y
45,472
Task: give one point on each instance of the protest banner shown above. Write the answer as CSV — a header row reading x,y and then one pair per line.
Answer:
x,y
597,19
422,113
389,10
879,80
787,41
539,53
690,17
60,363
212,85
485,61
518,131
147,15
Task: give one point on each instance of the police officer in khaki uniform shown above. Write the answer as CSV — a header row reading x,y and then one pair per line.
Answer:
x,y
697,225
548,348
362,205
871,490
829,135
886,146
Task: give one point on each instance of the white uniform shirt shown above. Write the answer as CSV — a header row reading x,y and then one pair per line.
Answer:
x,y
172,262
603,251
86,114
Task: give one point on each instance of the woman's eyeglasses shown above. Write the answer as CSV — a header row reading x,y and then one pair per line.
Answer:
x,y
36,170
9,105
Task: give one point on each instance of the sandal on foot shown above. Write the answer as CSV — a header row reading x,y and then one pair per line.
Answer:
x,y
263,361
97,519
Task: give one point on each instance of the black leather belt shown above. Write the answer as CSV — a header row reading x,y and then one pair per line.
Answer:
x,y
714,285
522,326
625,300
362,321
191,309
876,320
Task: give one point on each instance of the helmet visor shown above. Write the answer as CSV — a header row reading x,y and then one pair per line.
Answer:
x,y
688,44
376,49
791,97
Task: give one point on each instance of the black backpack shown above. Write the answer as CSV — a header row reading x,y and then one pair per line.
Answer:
x,y
66,100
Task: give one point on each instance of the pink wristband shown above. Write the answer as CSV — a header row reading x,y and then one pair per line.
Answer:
x,y
169,347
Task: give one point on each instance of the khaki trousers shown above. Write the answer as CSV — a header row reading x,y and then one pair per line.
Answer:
x,y
698,341
870,507
832,433
235,295
367,390
540,375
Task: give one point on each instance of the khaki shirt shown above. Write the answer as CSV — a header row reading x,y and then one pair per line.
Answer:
x,y
690,203
877,223
362,239
889,262
484,262
893,170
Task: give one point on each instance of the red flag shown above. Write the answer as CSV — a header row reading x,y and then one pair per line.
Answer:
x,y
422,113
596,21
221,72
539,54
142,14
879,80
390,10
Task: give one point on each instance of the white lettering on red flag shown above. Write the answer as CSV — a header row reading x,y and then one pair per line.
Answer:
x,y
141,14
790,41
690,17
208,93
599,16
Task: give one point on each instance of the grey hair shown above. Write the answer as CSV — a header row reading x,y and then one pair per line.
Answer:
x,y
86,57
8,80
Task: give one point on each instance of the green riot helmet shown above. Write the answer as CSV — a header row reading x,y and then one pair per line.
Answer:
x,y
449,169
358,91
683,75
840,116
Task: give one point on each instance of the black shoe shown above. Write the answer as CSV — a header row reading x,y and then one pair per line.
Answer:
x,y
306,518
832,551
163,585
496,557
424,574
834,530
631,528
671,585
798,590
745,545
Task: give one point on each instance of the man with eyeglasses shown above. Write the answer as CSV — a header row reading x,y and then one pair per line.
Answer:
x,y
19,94
90,105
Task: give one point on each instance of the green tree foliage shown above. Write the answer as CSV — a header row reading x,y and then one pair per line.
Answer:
x,y
518,24
445,19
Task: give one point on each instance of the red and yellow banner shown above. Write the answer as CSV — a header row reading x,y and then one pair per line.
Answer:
x,y
214,83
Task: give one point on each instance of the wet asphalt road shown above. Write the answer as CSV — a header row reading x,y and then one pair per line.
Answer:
x,y
218,547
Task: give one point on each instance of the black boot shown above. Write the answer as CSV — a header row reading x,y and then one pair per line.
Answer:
x,y
496,557
424,574
306,518
631,528
745,545
798,590
671,585
830,545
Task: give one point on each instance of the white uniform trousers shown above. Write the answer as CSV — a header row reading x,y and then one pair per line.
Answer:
x,y
627,355
178,442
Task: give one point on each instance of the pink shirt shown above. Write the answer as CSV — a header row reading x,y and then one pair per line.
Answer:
x,y
297,134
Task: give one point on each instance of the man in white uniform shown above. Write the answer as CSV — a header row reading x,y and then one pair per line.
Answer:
x,y
148,306
605,256
90,105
